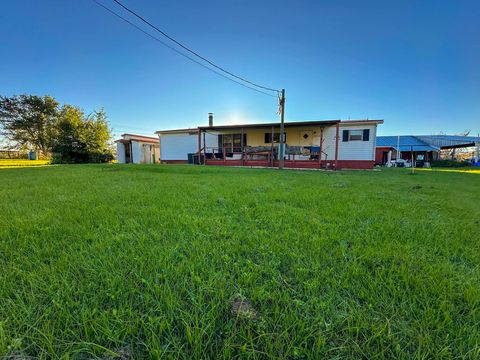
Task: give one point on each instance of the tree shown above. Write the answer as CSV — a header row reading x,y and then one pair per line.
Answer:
x,y
66,143
79,138
28,121
37,122
96,135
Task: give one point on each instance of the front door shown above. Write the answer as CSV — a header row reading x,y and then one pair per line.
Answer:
x,y
306,137
128,153
385,157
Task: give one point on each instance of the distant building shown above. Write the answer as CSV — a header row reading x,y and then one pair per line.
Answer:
x,y
424,148
137,149
332,144
392,148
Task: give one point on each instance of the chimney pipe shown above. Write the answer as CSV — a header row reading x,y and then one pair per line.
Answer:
x,y
210,119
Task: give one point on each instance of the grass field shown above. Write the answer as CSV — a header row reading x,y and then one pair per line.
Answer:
x,y
113,261
10,163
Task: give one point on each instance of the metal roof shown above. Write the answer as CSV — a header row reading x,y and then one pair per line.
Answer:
x,y
268,125
177,131
427,142
407,143
134,137
449,141
404,148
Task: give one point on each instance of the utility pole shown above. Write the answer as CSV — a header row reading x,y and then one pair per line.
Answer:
x,y
281,160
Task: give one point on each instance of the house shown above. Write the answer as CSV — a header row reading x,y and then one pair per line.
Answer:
x,y
331,144
137,149
424,148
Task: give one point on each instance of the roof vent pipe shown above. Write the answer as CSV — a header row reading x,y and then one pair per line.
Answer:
x,y
210,119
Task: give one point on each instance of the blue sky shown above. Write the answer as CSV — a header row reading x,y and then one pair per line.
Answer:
x,y
415,64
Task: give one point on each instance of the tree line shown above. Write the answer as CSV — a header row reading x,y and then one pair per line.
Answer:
x,y
62,132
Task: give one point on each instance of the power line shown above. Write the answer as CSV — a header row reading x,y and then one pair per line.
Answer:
x,y
191,51
177,51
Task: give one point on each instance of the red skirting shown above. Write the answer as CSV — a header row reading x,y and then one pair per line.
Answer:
x,y
174,161
297,164
356,164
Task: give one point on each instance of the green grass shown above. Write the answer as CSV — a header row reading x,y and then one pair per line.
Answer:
x,y
115,261
8,163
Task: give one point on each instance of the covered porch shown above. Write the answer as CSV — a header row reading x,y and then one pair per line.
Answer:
x,y
307,145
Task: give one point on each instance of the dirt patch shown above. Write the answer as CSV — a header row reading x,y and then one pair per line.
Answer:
x,y
242,308
124,353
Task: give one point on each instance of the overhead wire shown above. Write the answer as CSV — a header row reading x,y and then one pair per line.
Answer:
x,y
190,50
177,51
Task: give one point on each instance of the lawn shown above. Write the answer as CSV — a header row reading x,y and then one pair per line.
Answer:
x,y
9,163
113,261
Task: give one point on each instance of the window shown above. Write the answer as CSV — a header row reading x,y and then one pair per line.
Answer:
x,y
276,137
355,135
231,142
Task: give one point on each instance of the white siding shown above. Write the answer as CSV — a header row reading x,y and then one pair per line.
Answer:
x,y
137,155
142,152
357,150
120,153
328,145
351,150
178,146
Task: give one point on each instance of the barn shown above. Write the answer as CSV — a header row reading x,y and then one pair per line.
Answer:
x,y
332,144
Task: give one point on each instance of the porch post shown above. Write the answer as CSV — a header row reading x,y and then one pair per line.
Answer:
x,y
336,146
272,158
204,150
241,147
199,146
320,151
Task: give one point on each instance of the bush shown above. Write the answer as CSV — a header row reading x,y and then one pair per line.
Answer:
x,y
450,163
104,157
82,157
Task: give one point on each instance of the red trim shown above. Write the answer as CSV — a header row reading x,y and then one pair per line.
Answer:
x,y
199,145
356,164
204,147
174,161
297,164
321,145
379,153
380,121
141,138
336,146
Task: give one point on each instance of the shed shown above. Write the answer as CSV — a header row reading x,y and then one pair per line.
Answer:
x,y
137,149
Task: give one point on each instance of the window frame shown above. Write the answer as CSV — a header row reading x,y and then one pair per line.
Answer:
x,y
234,143
356,137
276,137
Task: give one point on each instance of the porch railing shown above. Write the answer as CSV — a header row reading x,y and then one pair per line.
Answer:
x,y
247,153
